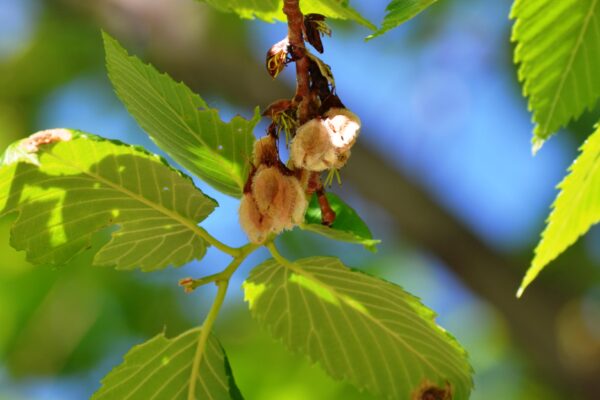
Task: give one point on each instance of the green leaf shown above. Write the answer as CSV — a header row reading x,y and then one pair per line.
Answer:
x,y
271,10
348,226
558,46
575,210
400,11
359,328
79,184
181,123
161,368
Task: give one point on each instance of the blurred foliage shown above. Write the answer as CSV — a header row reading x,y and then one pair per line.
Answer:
x,y
55,321
77,321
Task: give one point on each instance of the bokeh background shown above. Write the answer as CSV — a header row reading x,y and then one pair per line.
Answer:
x,y
443,174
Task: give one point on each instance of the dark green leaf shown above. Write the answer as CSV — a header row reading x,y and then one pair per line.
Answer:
x,y
348,226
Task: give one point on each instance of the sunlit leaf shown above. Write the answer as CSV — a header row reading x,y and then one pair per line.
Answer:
x,y
400,11
67,185
358,328
161,368
575,210
181,123
270,10
348,226
558,49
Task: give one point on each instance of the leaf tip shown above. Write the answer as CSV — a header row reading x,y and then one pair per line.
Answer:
x,y
536,145
527,279
520,292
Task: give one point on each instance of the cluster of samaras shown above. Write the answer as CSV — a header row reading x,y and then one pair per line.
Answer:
x,y
319,132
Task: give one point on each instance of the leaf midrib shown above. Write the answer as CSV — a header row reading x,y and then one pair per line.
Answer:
x,y
298,269
585,182
191,226
569,66
224,162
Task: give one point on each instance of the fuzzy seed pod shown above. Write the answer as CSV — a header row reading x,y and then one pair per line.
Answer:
x,y
256,225
280,197
311,148
344,127
276,202
322,144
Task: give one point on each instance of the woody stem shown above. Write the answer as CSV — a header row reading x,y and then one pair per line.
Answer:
x,y
291,8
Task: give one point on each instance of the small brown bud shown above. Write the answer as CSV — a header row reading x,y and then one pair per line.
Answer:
x,y
265,151
278,57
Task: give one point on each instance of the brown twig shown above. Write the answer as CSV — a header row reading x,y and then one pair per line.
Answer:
x,y
304,98
316,186
327,213
291,8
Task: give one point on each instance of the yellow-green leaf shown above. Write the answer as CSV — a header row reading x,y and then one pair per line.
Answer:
x,y
358,328
558,49
181,123
271,10
575,210
400,11
67,185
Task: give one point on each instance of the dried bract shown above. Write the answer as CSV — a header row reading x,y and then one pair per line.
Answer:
x,y
315,27
32,143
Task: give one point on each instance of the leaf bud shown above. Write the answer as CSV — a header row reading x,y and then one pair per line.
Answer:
x,y
278,57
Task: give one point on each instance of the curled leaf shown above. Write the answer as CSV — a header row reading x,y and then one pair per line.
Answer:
x,y
315,27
